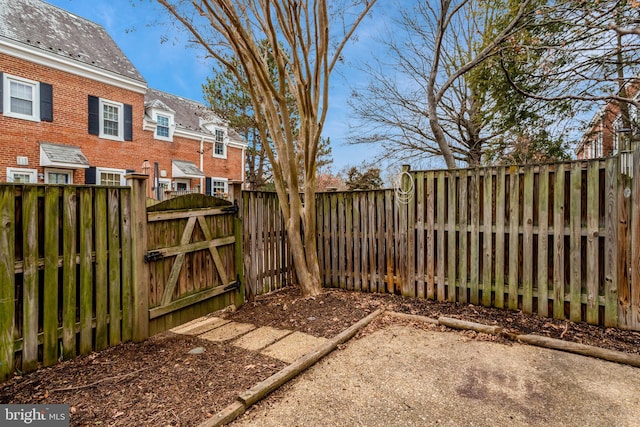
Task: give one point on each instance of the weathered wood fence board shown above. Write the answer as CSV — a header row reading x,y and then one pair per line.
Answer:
x,y
267,265
61,266
7,280
74,276
191,259
554,240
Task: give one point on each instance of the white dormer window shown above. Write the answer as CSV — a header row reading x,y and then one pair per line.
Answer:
x,y
219,146
162,128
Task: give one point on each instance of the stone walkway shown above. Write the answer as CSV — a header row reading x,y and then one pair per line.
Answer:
x,y
280,344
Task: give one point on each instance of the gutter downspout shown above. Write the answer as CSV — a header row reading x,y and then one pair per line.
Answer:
x,y
243,172
202,187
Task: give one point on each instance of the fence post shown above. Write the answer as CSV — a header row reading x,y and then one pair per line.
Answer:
x,y
634,318
239,249
7,280
403,224
139,274
239,261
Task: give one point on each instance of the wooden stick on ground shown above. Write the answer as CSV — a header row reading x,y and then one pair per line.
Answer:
x,y
463,324
585,350
262,389
93,384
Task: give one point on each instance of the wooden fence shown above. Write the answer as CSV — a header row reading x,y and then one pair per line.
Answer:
x,y
267,261
65,272
558,240
83,268
193,246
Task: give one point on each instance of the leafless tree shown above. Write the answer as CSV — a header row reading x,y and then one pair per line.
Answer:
x,y
305,39
560,57
420,103
594,61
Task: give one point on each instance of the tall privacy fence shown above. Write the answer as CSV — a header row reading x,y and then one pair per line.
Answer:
x,y
66,277
559,240
86,267
268,265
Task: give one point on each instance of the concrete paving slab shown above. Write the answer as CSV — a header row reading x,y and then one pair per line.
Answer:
x,y
228,332
402,376
293,347
178,329
260,338
200,326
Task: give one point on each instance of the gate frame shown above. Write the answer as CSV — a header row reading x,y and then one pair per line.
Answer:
x,y
142,314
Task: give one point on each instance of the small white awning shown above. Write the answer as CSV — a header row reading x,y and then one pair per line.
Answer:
x,y
62,156
185,169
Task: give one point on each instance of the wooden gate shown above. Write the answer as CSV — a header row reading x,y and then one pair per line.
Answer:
x,y
194,263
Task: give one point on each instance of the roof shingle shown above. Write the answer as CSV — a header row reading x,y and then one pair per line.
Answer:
x,y
49,28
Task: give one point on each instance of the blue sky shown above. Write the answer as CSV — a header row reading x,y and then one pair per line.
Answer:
x,y
173,67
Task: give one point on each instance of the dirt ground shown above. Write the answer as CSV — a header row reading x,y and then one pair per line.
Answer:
x,y
158,382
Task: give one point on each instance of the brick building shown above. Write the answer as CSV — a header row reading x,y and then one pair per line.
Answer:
x,y
606,135
74,109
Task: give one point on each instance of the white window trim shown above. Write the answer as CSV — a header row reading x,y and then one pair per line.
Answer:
x,y
225,142
224,180
172,125
67,172
617,125
122,172
174,184
165,181
6,82
32,172
120,106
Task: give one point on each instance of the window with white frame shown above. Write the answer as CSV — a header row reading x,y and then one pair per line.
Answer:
x,y
162,127
219,187
21,98
219,148
58,176
633,116
598,148
164,184
21,175
162,124
111,120
181,185
110,177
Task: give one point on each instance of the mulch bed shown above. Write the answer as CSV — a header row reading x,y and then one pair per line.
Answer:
x,y
157,382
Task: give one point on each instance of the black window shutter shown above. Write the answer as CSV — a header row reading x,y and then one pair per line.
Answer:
x,y
90,175
46,102
207,188
1,97
94,115
128,123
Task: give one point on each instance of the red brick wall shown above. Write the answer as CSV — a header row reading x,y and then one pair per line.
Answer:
x,y
188,149
70,117
604,127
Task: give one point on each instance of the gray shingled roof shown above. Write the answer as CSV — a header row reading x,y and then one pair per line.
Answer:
x,y
187,113
67,154
43,26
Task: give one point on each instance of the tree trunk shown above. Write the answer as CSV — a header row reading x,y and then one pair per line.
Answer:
x,y
475,154
305,257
